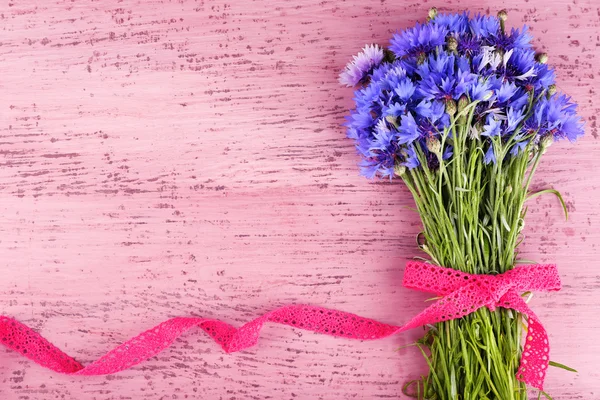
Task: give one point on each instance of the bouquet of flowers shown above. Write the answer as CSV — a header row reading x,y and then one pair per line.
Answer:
x,y
462,110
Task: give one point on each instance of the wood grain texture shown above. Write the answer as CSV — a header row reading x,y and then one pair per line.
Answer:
x,y
169,158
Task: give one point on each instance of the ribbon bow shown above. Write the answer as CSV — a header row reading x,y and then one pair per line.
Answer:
x,y
463,293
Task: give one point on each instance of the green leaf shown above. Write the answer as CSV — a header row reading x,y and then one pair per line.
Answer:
x,y
415,394
562,366
554,192
546,395
504,223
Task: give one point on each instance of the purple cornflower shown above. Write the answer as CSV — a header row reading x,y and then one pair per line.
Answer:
x,y
356,70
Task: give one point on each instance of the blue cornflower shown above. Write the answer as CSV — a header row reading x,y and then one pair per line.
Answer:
x,y
463,65
571,128
382,153
518,147
483,26
360,120
519,100
515,40
408,131
490,155
493,127
506,92
480,91
394,110
556,116
422,38
410,157
514,118
520,39
433,111
390,78
380,72
454,23
445,89
367,96
448,152
404,89
469,45
439,66
543,77
356,70
465,80
519,65
561,118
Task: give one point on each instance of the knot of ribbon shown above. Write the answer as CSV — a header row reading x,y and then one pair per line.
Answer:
x,y
461,293
464,293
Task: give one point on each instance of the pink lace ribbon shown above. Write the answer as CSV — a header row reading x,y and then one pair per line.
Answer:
x,y
462,294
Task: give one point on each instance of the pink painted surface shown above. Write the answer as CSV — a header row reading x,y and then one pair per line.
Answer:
x,y
459,295
186,159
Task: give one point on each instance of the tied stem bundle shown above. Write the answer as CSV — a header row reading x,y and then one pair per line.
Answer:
x,y
462,111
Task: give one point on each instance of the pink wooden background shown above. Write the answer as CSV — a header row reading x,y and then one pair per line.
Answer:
x,y
174,158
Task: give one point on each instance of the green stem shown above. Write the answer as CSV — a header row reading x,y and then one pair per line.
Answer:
x,y
472,215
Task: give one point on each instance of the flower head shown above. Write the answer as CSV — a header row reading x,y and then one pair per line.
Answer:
x,y
484,26
357,69
455,23
422,38
493,127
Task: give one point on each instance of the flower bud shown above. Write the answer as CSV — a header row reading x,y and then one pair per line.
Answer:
x,y
434,145
388,55
546,142
452,44
432,13
399,170
551,90
478,127
451,107
392,120
502,15
542,58
463,102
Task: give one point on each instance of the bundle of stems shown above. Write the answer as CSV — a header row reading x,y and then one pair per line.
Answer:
x,y
473,214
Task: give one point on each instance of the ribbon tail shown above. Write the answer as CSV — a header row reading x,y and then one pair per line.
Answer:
x,y
535,358
457,304
19,337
